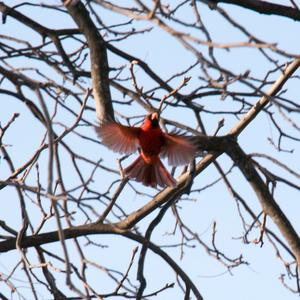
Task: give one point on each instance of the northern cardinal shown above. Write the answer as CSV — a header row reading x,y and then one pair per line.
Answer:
x,y
152,143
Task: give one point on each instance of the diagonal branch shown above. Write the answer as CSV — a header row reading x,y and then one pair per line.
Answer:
x,y
267,98
268,203
262,7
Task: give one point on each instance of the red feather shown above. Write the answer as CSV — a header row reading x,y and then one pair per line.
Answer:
x,y
119,138
179,149
152,142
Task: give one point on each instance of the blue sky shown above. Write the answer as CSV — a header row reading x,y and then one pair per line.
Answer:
x,y
259,279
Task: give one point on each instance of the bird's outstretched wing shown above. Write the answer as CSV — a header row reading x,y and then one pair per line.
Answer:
x,y
179,149
117,137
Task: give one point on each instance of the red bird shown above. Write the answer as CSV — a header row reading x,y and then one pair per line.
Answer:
x,y
152,143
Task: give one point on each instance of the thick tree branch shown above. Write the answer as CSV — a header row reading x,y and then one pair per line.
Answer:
x,y
99,62
262,7
50,237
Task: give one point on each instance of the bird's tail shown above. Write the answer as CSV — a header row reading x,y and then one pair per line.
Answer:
x,y
150,174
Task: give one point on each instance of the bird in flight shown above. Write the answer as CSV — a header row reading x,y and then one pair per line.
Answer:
x,y
152,143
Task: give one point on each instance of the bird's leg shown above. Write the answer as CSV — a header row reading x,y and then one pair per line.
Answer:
x,y
189,182
121,170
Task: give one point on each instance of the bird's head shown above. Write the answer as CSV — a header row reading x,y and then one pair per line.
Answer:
x,y
153,120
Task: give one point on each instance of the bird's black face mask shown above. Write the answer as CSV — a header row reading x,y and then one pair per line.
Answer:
x,y
154,120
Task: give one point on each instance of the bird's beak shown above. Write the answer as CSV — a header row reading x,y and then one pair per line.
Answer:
x,y
154,116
